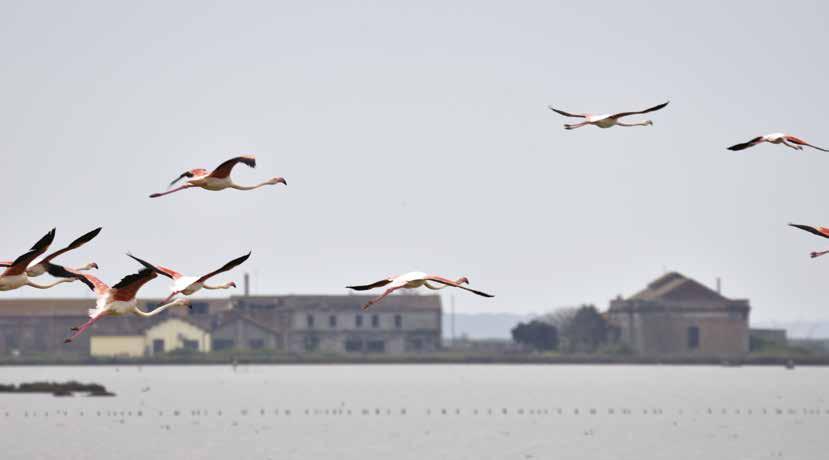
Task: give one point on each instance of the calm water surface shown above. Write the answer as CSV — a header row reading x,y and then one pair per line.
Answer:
x,y
419,412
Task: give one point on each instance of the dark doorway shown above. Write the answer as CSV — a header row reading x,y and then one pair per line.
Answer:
x,y
158,346
693,338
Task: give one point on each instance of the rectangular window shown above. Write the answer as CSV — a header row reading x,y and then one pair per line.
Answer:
x,y
375,321
332,321
312,343
375,346
222,344
353,345
158,346
693,338
198,308
309,321
398,321
192,345
358,321
256,344
416,345
11,340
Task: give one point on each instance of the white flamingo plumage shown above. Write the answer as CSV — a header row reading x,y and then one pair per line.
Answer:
x,y
607,120
219,178
189,285
120,299
776,138
14,276
414,280
43,266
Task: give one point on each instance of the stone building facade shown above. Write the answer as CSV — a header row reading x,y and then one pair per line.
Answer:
x,y
679,316
293,324
338,324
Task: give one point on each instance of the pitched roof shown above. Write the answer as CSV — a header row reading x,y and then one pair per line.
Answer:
x,y
45,307
676,287
79,306
121,326
183,319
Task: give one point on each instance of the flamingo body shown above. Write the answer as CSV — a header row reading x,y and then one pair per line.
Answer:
x,y
9,283
15,277
189,285
120,299
607,120
45,264
602,121
413,280
776,138
219,179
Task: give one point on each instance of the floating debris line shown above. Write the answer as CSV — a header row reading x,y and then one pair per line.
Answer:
x,y
441,412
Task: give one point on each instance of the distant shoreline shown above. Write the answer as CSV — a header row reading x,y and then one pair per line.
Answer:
x,y
436,358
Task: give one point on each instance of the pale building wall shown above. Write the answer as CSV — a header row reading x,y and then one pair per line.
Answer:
x,y
242,333
417,331
130,345
720,333
173,332
347,321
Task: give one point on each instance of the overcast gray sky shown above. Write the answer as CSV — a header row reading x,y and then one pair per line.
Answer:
x,y
415,137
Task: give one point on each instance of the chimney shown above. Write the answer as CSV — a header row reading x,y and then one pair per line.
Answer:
x,y
719,285
247,284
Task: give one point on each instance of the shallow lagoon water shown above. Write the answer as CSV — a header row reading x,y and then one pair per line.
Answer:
x,y
421,411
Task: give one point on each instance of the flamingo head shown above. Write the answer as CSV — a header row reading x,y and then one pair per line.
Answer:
x,y
278,180
92,265
648,123
463,280
231,284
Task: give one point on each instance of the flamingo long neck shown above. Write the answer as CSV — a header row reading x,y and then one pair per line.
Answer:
x,y
50,285
442,286
157,310
640,123
433,287
249,187
221,286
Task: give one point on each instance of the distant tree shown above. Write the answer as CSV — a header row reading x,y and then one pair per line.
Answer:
x,y
587,330
537,335
560,317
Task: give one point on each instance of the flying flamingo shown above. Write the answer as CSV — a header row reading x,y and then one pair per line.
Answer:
x,y
43,266
219,179
819,231
189,285
15,275
776,138
414,280
120,299
606,120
